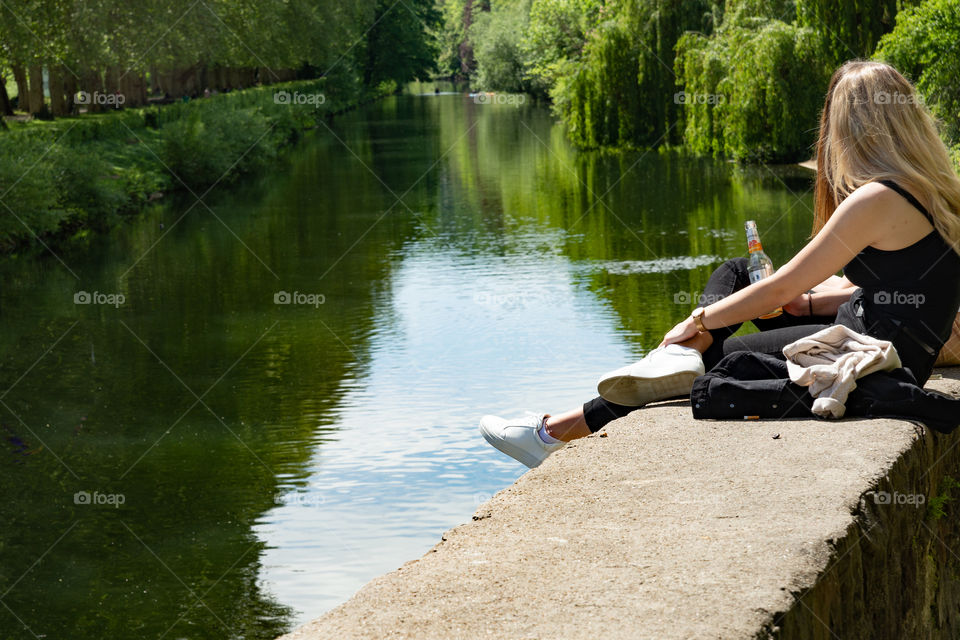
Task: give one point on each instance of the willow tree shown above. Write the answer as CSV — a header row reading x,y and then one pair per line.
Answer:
x,y
622,89
753,90
848,29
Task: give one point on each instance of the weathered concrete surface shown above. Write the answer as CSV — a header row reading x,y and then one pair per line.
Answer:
x,y
666,527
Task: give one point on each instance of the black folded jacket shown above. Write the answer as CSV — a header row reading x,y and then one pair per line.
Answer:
x,y
745,383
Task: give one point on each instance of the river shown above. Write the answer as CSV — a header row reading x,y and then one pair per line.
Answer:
x,y
223,418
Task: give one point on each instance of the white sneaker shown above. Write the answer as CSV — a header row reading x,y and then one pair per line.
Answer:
x,y
518,438
663,373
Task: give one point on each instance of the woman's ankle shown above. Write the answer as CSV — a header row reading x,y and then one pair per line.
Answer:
x,y
701,342
565,428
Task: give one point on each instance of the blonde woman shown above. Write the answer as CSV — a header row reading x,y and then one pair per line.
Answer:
x,y
887,213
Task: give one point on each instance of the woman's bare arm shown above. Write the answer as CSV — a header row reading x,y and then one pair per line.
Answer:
x,y
852,227
834,283
855,225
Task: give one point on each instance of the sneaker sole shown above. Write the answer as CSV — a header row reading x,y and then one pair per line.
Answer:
x,y
520,455
633,391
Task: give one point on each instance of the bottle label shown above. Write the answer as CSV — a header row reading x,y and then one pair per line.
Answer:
x,y
757,275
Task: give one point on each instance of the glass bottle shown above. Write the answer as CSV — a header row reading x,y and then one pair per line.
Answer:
x,y
759,264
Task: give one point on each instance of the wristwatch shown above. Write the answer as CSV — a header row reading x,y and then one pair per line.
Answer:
x,y
697,316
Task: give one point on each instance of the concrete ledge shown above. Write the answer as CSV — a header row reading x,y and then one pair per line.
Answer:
x,y
666,527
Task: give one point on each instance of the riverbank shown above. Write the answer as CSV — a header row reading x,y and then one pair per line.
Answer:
x,y
661,526
83,174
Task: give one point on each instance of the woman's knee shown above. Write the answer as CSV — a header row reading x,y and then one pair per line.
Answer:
x,y
729,277
736,265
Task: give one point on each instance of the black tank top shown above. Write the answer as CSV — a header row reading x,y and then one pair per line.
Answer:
x,y
909,296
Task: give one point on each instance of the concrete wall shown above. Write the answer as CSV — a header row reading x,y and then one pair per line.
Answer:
x,y
666,527
896,571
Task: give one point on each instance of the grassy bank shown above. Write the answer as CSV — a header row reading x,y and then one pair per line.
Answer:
x,y
87,173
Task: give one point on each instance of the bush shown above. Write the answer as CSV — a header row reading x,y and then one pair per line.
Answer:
x,y
924,47
754,90
73,173
496,37
30,205
88,194
211,147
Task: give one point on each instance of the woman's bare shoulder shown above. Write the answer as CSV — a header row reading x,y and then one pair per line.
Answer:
x,y
890,220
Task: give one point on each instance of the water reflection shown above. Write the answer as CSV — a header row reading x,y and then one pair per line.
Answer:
x,y
274,457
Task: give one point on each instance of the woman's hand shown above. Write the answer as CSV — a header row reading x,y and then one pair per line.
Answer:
x,y
799,306
680,333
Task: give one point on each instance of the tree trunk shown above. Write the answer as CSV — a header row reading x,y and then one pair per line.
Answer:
x,y
140,84
249,77
5,107
37,103
130,88
174,86
466,48
200,78
219,79
23,93
154,84
58,104
190,80
163,84
70,90
92,84
111,85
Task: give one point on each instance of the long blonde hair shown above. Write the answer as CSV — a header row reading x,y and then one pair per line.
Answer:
x,y
874,126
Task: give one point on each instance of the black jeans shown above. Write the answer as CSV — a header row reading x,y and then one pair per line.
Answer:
x,y
775,334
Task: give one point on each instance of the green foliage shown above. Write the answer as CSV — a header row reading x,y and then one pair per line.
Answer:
x,y
555,38
621,91
848,29
175,34
79,173
28,202
937,507
924,46
783,10
204,151
496,36
450,36
754,90
401,45
88,195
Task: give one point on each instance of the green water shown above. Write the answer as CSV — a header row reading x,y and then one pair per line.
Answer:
x,y
251,464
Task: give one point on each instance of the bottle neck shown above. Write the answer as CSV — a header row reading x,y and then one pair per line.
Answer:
x,y
753,240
